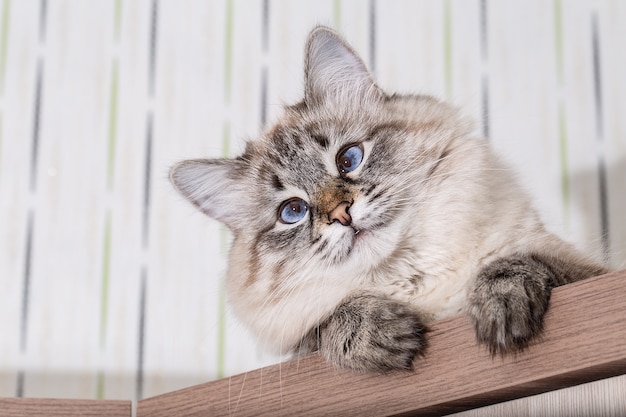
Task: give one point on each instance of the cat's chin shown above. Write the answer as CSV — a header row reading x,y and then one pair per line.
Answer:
x,y
368,248
363,240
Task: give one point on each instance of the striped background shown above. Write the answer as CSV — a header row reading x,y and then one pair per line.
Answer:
x,y
112,285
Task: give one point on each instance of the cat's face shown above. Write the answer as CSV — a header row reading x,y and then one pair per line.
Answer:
x,y
334,187
330,192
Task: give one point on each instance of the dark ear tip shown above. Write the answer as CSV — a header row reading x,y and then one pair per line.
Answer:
x,y
323,34
322,31
174,170
171,174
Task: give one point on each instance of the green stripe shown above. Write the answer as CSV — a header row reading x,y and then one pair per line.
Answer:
x,y
447,36
1,124
562,116
106,273
558,38
4,47
221,302
565,181
118,19
226,139
100,386
337,14
106,246
221,315
228,52
113,94
4,43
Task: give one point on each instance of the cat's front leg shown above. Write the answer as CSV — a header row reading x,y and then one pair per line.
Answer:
x,y
511,295
370,332
509,300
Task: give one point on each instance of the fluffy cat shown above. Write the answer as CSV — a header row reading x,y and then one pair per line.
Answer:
x,y
361,216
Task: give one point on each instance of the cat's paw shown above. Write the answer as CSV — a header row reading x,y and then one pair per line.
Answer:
x,y
508,302
373,333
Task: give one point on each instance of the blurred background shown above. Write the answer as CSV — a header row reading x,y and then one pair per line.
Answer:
x,y
111,285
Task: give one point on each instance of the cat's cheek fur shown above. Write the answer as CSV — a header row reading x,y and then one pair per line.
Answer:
x,y
279,313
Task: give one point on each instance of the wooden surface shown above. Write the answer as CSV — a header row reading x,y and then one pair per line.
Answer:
x,y
584,340
40,407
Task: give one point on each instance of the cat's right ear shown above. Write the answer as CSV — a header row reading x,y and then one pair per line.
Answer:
x,y
215,186
333,71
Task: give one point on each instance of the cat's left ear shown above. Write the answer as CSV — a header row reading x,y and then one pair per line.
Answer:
x,y
333,71
218,187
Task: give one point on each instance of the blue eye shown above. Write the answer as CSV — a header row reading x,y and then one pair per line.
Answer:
x,y
349,158
292,210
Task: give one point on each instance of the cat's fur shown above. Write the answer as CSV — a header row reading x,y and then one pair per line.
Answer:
x,y
429,225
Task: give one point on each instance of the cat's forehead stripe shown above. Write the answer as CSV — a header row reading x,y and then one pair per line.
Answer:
x,y
320,140
277,183
385,127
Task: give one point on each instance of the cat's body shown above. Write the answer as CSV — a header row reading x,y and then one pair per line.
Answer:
x,y
359,217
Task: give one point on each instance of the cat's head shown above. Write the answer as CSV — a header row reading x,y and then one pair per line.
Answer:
x,y
335,183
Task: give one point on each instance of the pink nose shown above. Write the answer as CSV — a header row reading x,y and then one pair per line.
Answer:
x,y
340,214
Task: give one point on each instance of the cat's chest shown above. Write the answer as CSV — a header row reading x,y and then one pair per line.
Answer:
x,y
434,297
435,287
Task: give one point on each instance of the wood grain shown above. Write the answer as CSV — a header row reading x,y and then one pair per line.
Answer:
x,y
584,340
43,407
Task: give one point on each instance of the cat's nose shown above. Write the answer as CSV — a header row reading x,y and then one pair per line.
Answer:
x,y
340,214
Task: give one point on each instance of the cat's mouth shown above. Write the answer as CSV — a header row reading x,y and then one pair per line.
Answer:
x,y
360,239
370,243
358,235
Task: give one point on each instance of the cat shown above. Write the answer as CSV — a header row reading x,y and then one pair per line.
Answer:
x,y
359,217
